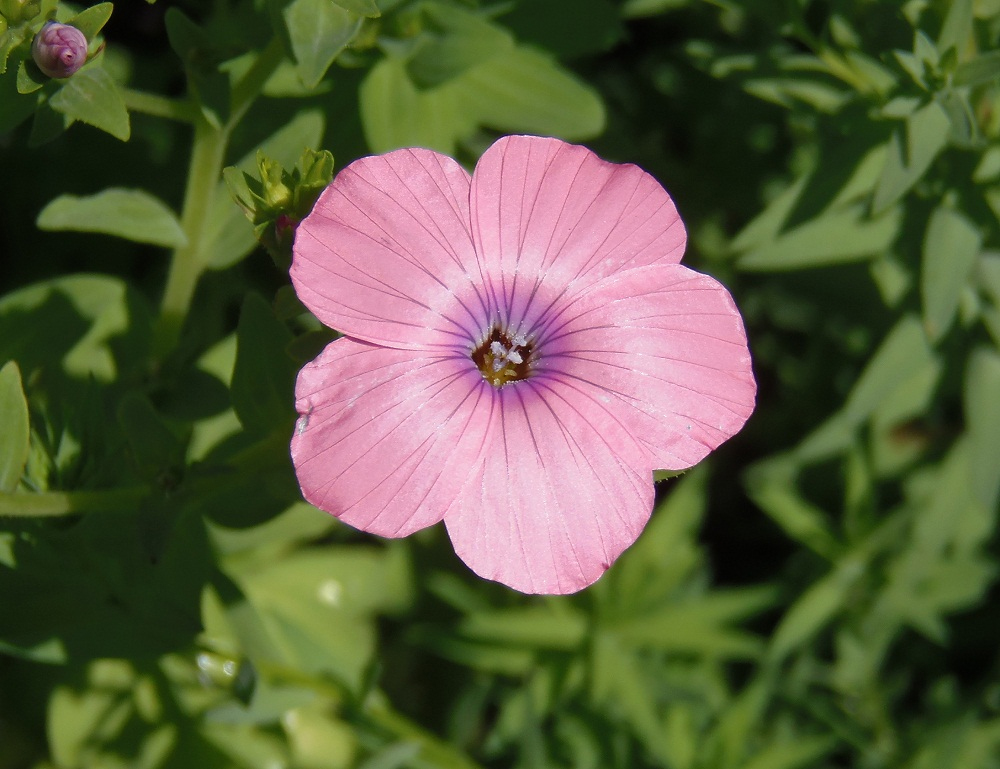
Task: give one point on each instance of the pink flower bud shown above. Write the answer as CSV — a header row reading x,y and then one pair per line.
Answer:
x,y
59,50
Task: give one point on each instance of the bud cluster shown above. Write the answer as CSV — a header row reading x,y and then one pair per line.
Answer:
x,y
277,200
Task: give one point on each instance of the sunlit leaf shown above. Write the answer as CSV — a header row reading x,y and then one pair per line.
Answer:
x,y
909,158
318,30
836,237
951,245
130,214
982,419
14,438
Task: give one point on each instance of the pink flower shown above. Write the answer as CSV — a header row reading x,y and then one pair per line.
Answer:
x,y
522,350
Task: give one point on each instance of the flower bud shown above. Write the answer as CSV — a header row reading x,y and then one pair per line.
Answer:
x,y
59,50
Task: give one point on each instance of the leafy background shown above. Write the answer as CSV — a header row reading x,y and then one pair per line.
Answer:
x,y
822,592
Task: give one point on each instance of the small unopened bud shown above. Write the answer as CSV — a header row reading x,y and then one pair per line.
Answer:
x,y
59,50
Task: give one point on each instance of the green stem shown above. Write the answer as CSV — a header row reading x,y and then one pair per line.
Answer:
x,y
189,261
160,106
53,503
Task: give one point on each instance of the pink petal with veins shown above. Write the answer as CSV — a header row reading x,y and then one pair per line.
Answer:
x,y
386,254
387,438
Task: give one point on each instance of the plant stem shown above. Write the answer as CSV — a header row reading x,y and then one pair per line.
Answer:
x,y
204,172
53,503
159,106
189,261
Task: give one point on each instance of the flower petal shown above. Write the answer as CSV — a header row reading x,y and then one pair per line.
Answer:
x,y
544,209
668,343
562,490
387,437
386,254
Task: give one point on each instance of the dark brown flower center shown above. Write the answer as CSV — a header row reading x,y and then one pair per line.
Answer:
x,y
503,358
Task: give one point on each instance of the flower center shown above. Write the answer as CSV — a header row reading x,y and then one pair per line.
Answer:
x,y
503,359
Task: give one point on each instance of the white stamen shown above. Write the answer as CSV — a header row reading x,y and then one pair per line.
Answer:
x,y
520,341
498,349
515,357
499,363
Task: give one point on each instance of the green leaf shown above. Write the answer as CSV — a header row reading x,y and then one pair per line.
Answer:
x,y
957,29
454,41
16,433
208,85
394,113
927,132
982,69
158,453
263,376
835,237
92,97
903,357
527,91
367,8
90,326
700,626
815,608
634,9
555,626
771,486
982,419
951,245
318,31
131,214
29,77
567,28
796,753
92,20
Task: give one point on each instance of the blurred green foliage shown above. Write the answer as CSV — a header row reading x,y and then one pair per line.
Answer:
x,y
821,593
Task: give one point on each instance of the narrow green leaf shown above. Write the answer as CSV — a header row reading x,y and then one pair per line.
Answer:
x,y
903,354
533,626
767,225
772,488
903,361
927,132
956,32
982,419
802,752
130,214
951,245
318,30
92,97
982,69
814,609
15,435
835,237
